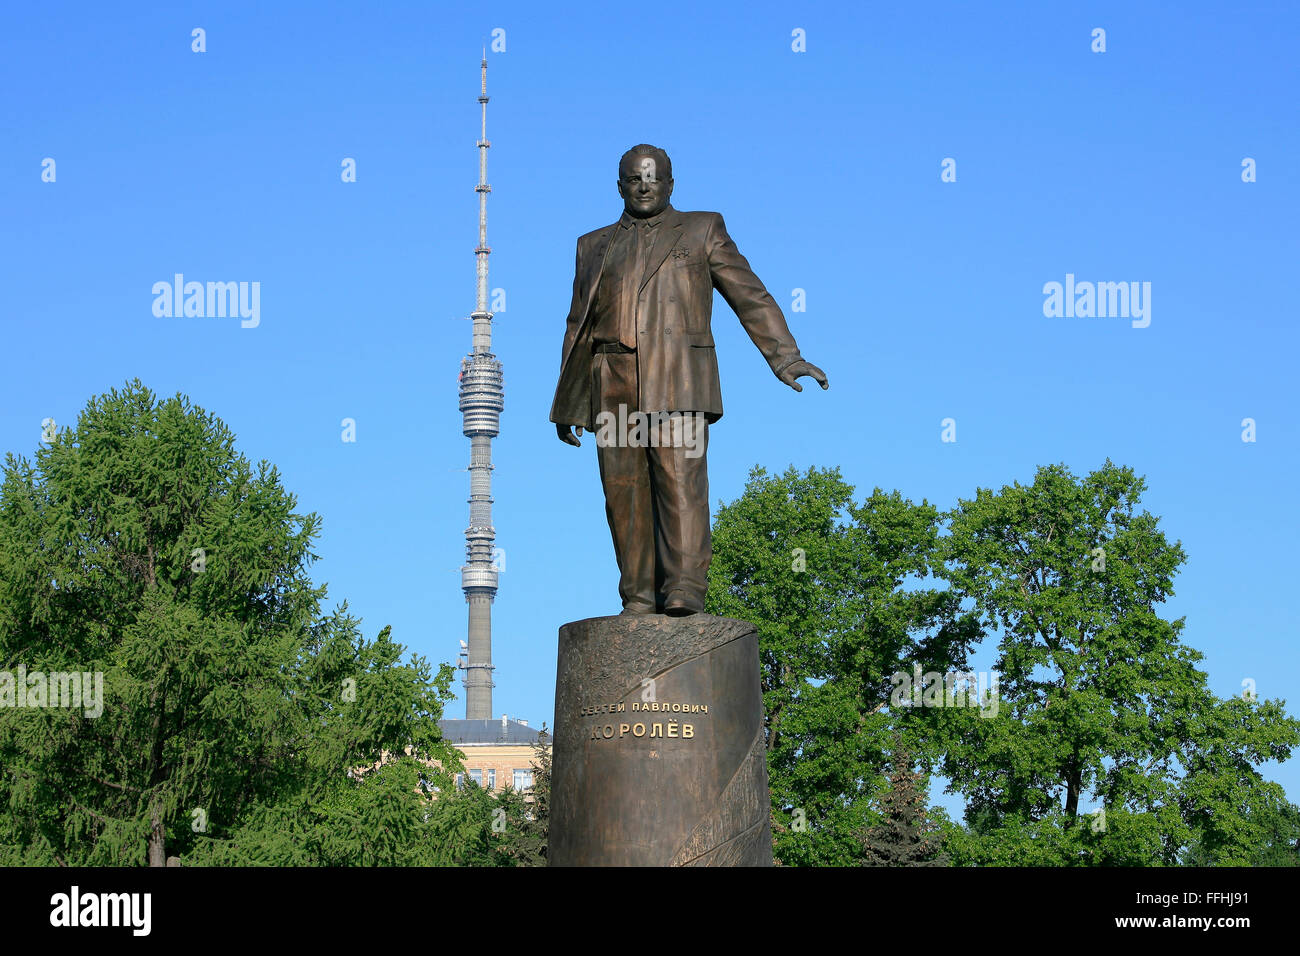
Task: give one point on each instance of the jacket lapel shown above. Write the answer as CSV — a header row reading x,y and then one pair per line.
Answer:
x,y
668,234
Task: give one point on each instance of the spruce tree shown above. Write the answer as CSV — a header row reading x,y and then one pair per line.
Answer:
x,y
905,836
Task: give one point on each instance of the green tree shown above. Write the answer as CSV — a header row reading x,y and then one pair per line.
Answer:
x,y
356,787
835,590
1099,700
142,547
1280,846
906,835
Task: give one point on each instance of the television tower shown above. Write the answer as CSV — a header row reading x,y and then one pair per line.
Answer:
x,y
482,397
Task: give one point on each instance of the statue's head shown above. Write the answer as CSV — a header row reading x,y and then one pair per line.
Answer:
x,y
645,180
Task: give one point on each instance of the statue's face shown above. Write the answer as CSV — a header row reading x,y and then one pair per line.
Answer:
x,y
644,193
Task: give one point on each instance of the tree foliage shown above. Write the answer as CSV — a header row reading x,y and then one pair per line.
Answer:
x,y
906,835
1105,745
141,546
1100,701
834,590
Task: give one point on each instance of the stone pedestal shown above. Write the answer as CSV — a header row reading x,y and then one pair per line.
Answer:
x,y
659,755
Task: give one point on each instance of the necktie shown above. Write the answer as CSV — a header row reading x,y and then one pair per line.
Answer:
x,y
644,240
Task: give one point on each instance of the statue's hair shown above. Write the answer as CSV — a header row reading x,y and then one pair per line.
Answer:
x,y
662,162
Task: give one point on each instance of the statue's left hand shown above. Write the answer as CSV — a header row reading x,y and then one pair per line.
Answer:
x,y
796,369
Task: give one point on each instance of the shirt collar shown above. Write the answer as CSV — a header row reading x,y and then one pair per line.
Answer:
x,y
627,221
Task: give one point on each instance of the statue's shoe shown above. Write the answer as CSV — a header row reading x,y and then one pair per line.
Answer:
x,y
679,604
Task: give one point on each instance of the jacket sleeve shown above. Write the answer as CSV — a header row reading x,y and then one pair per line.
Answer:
x,y
571,401
575,306
749,299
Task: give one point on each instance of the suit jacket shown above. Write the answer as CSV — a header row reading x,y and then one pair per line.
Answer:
x,y
676,363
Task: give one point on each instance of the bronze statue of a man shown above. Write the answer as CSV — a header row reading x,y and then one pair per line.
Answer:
x,y
638,350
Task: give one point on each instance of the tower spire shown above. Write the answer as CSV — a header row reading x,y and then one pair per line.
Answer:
x,y
482,397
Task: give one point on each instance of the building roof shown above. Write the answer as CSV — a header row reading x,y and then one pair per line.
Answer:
x,y
488,732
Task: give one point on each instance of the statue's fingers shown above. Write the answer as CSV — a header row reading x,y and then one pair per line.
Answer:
x,y
816,374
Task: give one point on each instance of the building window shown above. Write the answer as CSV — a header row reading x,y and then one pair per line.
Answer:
x,y
460,781
492,778
523,779
477,777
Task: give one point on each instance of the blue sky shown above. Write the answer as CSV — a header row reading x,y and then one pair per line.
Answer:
x,y
924,298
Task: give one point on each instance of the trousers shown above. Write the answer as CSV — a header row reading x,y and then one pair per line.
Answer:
x,y
656,485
